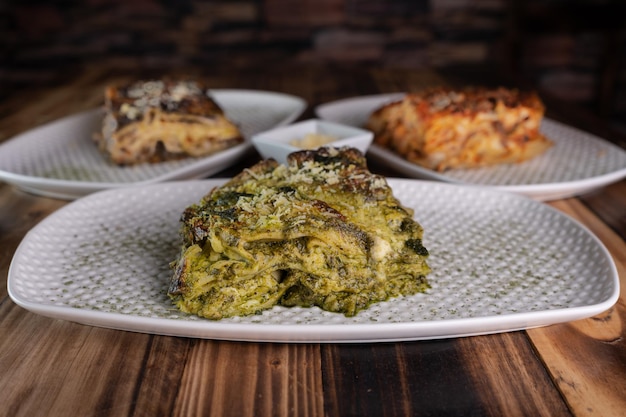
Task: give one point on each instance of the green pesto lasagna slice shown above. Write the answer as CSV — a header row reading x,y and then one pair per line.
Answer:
x,y
320,231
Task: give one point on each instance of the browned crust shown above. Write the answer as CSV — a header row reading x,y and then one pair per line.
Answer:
x,y
154,121
444,128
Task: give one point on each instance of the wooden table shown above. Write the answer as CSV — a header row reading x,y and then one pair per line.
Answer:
x,y
58,368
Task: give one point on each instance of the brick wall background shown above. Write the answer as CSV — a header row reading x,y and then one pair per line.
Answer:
x,y
572,49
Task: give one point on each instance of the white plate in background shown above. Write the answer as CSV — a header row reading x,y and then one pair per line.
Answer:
x,y
60,159
577,163
500,262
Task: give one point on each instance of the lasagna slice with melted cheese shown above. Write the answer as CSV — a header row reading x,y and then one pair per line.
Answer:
x,y
320,231
153,121
444,129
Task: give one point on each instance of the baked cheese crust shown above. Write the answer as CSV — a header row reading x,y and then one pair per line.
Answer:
x,y
322,231
444,129
154,121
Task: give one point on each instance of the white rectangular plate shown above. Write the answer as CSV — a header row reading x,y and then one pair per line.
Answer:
x,y
577,163
60,159
500,262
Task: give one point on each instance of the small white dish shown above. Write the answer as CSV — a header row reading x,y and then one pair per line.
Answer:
x,y
280,142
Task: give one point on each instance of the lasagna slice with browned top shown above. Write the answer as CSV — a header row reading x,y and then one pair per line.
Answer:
x,y
443,128
321,231
153,121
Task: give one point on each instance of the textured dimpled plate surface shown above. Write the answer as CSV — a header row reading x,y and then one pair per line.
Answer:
x,y
499,262
576,155
61,159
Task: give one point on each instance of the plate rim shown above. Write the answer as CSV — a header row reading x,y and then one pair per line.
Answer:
x,y
313,333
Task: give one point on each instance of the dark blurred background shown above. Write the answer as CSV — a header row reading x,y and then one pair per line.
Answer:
x,y
573,50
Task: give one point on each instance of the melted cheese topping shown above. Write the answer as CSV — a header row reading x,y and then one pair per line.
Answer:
x,y
443,129
321,231
152,121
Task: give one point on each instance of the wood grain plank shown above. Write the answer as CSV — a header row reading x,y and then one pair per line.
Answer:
x,y
609,204
164,365
19,212
248,379
588,370
65,368
389,379
509,378
587,358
